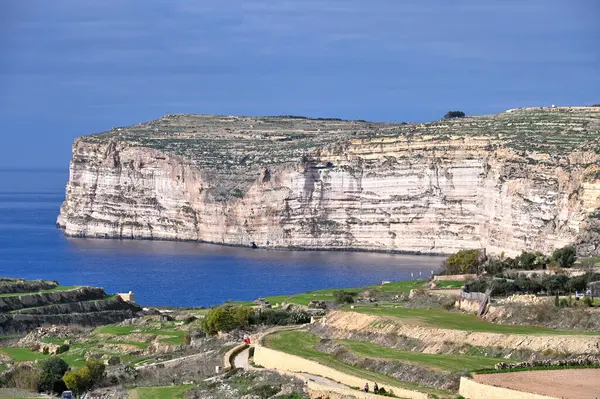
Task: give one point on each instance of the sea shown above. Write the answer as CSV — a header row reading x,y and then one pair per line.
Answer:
x,y
164,273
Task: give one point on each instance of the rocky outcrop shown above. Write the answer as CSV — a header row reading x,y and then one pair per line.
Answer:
x,y
86,306
80,307
11,303
18,323
521,180
16,285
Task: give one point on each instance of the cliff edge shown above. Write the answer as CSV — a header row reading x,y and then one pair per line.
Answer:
x,y
524,179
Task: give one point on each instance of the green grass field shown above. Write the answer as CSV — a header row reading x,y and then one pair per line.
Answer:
x,y
174,392
55,289
441,362
22,354
458,321
171,336
327,294
303,344
449,284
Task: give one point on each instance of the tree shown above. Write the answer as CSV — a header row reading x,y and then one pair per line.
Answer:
x,y
226,318
462,262
527,260
555,284
84,378
344,297
78,381
96,368
454,114
578,283
51,374
565,257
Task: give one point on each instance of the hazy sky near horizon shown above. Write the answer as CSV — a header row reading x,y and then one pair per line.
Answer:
x,y
72,67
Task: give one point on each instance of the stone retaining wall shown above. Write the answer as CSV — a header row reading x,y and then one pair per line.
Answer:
x,y
316,391
471,389
277,360
228,358
455,277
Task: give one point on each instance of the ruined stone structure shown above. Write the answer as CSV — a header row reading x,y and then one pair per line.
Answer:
x,y
519,180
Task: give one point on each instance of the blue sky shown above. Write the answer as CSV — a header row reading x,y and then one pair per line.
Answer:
x,y
72,67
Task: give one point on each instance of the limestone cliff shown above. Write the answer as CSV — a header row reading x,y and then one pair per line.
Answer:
x,y
525,179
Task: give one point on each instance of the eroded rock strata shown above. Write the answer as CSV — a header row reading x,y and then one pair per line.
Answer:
x,y
526,179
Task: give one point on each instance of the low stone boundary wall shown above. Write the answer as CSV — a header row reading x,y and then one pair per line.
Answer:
x,y
316,391
471,389
277,360
173,362
473,296
228,358
455,277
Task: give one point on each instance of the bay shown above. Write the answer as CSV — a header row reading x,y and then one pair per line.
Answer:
x,y
169,273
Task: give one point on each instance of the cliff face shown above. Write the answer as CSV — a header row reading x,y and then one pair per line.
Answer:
x,y
520,180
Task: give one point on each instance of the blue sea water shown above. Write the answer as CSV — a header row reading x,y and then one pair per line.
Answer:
x,y
168,273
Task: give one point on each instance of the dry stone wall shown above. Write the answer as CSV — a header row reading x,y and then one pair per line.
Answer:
x,y
273,359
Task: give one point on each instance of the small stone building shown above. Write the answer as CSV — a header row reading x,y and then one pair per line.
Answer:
x,y
127,297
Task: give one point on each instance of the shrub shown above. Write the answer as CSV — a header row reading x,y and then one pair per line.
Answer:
x,y
187,338
265,391
24,377
528,286
226,318
454,114
279,317
564,257
96,368
51,373
63,348
78,381
84,378
578,283
462,262
343,297
563,303
526,260
495,267
555,284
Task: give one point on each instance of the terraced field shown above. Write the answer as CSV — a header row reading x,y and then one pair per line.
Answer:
x,y
26,304
458,321
128,343
398,287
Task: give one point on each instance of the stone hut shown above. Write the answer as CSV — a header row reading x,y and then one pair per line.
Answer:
x,y
127,297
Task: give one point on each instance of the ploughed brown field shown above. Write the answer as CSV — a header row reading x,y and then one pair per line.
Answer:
x,y
567,384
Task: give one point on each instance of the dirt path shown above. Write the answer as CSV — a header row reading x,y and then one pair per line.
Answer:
x,y
321,380
566,384
240,360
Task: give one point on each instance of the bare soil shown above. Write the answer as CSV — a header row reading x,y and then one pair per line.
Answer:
x,y
566,384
